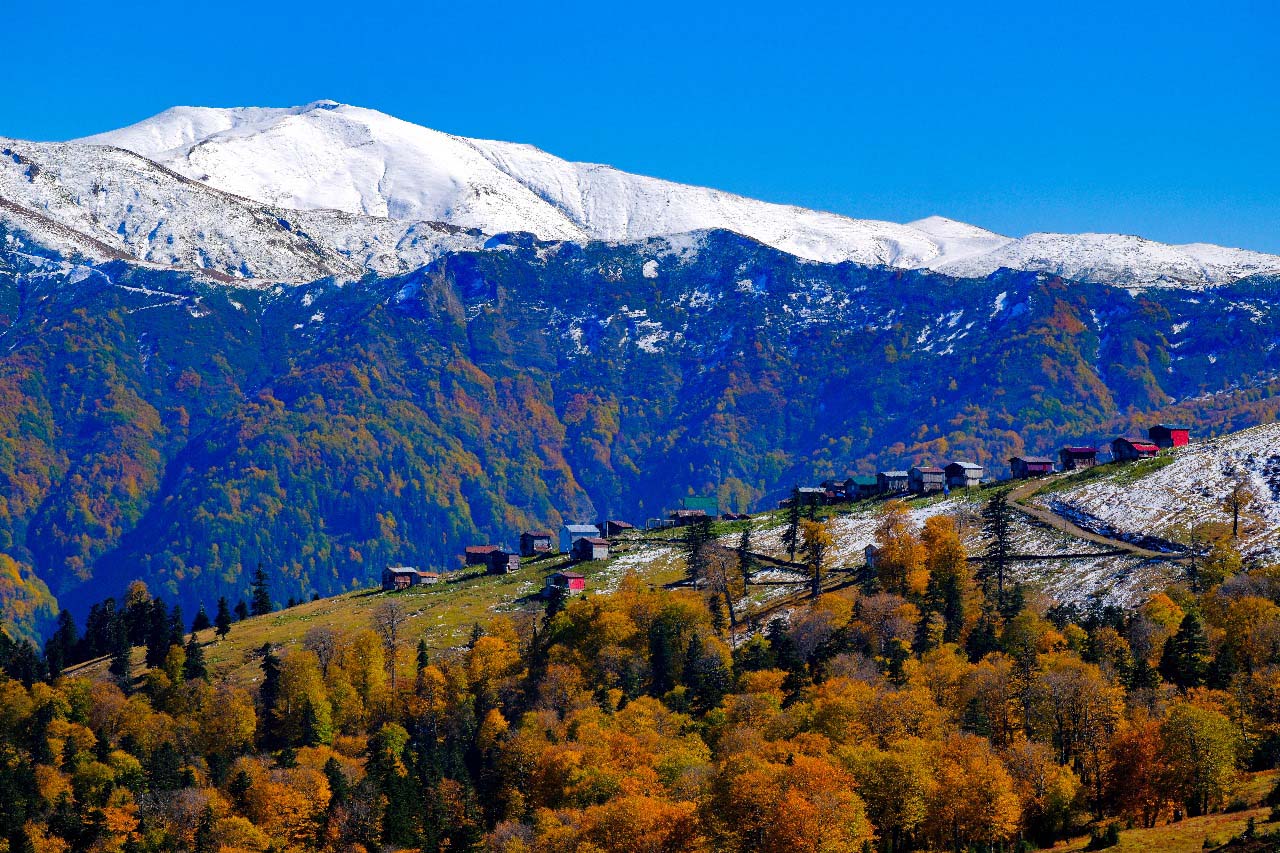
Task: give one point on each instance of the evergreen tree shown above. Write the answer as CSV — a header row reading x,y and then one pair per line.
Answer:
x,y
269,693
205,841
119,648
746,559
193,667
261,593
158,634
176,627
791,536
223,620
1185,660
201,622
476,633
997,526
693,543
61,649
242,611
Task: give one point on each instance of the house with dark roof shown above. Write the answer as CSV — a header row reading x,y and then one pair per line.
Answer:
x,y
1023,467
1077,458
685,517
478,555
611,528
502,562
1166,436
925,479
402,577
591,548
1129,449
535,543
863,487
963,475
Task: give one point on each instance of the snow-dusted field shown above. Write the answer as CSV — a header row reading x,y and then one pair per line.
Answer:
x,y
1171,500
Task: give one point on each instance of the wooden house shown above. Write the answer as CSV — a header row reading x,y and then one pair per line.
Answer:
x,y
611,528
571,533
685,517
502,562
812,496
1129,449
478,555
925,479
1166,436
893,482
709,506
963,475
861,488
403,577
591,548
1077,458
1023,467
535,543
567,581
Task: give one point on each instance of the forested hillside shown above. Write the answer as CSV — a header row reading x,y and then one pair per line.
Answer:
x,y
184,431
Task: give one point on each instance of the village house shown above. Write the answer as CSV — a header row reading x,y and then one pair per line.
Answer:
x,y
1129,449
1077,458
685,517
609,529
591,548
1166,436
925,479
535,543
838,490
567,581
1023,467
571,533
812,495
963,475
402,577
502,562
892,482
478,555
709,506
861,488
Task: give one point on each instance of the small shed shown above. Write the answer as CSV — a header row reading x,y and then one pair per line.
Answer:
x,y
685,517
591,548
502,562
963,475
1030,466
478,555
567,581
925,479
1077,458
1129,449
871,552
571,533
892,482
1166,436
611,528
428,578
535,543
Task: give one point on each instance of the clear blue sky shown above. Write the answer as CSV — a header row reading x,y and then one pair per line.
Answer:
x,y
1160,119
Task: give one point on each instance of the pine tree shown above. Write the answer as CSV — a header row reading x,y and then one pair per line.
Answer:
x,y
791,536
997,526
261,593
158,634
61,650
241,611
269,693
193,667
1185,660
746,559
694,542
176,627
121,651
201,622
223,622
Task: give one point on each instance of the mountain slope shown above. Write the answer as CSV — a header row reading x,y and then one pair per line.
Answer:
x,y
331,156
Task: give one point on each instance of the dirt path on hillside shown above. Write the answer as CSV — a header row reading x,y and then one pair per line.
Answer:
x,y
1057,522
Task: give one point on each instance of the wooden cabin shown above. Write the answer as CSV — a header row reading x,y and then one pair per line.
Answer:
x,y
1023,467
1129,449
1166,436
502,562
1077,458
478,555
571,533
402,577
567,581
535,543
893,482
861,488
963,475
591,548
685,517
925,479
609,529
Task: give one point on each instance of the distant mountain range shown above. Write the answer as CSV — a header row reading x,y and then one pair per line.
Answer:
x,y
290,195
326,340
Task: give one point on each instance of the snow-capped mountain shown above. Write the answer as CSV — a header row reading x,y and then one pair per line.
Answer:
x,y
296,194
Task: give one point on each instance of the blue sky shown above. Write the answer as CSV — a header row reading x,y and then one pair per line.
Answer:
x,y
1159,119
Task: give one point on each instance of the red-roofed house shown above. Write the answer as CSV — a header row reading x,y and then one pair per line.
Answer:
x,y
1128,449
478,555
1077,458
